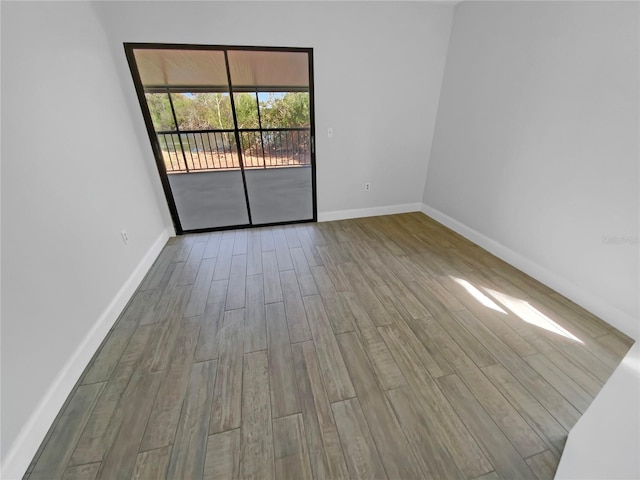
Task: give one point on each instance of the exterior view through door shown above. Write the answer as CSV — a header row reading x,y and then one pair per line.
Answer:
x,y
232,131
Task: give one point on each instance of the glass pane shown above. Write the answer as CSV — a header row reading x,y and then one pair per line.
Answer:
x,y
160,110
209,199
255,68
280,194
284,109
203,111
171,68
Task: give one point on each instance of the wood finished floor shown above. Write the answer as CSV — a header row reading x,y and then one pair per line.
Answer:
x,y
384,347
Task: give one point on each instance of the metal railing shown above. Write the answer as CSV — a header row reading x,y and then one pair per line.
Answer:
x,y
206,150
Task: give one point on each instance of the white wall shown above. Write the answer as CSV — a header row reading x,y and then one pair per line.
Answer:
x,y
72,179
378,71
606,440
536,148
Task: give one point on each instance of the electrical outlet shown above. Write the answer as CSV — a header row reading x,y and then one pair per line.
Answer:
x,y
330,132
125,237
367,187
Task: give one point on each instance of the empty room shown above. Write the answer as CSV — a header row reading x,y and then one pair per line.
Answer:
x,y
320,240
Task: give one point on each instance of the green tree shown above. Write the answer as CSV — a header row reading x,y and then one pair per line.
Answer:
x,y
160,110
212,111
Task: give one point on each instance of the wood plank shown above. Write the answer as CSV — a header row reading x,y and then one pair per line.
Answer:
x,y
192,265
81,472
502,454
314,233
362,456
208,341
303,272
290,449
201,237
200,290
582,356
557,405
338,312
545,425
325,453
560,381
190,445
254,253
103,422
523,438
293,240
308,246
225,253
432,454
489,476
387,371
296,317
390,302
237,283
162,296
165,414
223,456
160,345
256,456
183,248
58,450
282,250
255,332
151,464
227,395
580,375
159,268
369,299
481,354
410,303
266,237
360,254
334,270
435,287
395,453
134,311
544,464
218,291
213,245
614,345
105,361
334,371
241,242
453,433
284,393
120,459
271,277
498,321
425,345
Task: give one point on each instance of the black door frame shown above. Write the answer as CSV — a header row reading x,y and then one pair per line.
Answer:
x,y
129,49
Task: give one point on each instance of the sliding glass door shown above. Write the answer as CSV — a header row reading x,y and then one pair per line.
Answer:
x,y
232,132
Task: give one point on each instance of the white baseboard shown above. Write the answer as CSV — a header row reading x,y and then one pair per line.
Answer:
x,y
588,300
369,212
30,437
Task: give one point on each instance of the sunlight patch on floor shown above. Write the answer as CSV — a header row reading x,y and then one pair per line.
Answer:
x,y
531,314
478,295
